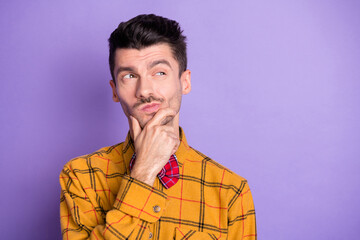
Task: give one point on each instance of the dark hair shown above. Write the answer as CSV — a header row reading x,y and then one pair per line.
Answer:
x,y
147,30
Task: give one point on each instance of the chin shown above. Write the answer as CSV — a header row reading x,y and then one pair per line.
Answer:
x,y
143,121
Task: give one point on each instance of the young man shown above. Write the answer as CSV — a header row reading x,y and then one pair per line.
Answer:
x,y
153,185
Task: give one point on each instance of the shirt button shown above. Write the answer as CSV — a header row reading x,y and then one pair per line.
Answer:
x,y
156,208
150,235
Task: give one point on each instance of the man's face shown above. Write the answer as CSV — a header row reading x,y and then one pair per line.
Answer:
x,y
148,80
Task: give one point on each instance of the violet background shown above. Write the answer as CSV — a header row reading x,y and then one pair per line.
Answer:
x,y
275,98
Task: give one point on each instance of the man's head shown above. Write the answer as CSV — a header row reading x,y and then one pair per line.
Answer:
x,y
148,66
144,31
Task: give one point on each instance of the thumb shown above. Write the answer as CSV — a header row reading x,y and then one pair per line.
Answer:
x,y
134,127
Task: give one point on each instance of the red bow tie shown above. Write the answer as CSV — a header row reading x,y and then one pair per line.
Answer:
x,y
169,174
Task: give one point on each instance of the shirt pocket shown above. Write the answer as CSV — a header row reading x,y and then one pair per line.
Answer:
x,y
188,234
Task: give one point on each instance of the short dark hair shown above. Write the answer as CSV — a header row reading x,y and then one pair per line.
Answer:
x,y
146,30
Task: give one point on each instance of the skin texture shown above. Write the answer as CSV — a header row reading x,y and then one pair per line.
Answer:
x,y
149,90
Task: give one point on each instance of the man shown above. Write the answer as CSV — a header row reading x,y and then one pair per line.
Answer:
x,y
153,185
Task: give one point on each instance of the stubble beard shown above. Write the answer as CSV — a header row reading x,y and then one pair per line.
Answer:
x,y
147,117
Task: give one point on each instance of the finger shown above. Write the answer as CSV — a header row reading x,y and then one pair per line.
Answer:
x,y
135,127
162,117
176,147
174,138
170,130
166,120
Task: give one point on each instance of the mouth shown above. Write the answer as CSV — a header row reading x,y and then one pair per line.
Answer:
x,y
150,108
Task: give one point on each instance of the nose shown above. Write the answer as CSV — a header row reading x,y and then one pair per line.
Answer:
x,y
144,88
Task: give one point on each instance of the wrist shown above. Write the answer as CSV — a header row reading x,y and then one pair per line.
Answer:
x,y
143,175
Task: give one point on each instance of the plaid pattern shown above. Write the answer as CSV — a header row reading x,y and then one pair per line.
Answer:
x,y
169,174
99,200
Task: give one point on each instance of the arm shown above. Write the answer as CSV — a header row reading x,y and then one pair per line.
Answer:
x,y
242,223
83,217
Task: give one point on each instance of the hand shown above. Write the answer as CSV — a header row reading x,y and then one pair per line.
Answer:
x,y
154,144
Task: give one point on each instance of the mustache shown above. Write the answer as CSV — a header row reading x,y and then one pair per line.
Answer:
x,y
148,100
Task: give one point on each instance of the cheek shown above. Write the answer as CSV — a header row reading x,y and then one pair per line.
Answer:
x,y
169,91
125,108
172,96
126,105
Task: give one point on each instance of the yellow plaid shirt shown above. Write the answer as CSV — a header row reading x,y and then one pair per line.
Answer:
x,y
99,200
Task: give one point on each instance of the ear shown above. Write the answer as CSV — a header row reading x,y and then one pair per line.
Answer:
x,y
115,96
186,81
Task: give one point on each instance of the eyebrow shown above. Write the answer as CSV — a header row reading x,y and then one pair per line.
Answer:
x,y
157,62
151,65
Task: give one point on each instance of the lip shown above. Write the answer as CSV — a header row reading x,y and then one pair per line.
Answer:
x,y
150,108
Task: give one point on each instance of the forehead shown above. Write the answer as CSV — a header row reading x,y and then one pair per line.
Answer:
x,y
137,57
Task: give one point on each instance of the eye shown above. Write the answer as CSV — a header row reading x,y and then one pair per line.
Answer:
x,y
160,73
128,76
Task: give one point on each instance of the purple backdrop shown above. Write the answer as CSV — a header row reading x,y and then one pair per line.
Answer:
x,y
275,98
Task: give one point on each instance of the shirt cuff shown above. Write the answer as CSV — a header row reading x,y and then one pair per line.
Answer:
x,y
140,200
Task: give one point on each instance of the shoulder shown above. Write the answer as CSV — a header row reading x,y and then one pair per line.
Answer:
x,y
212,170
97,160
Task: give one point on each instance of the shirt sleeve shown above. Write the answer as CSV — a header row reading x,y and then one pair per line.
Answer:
x,y
242,222
83,217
